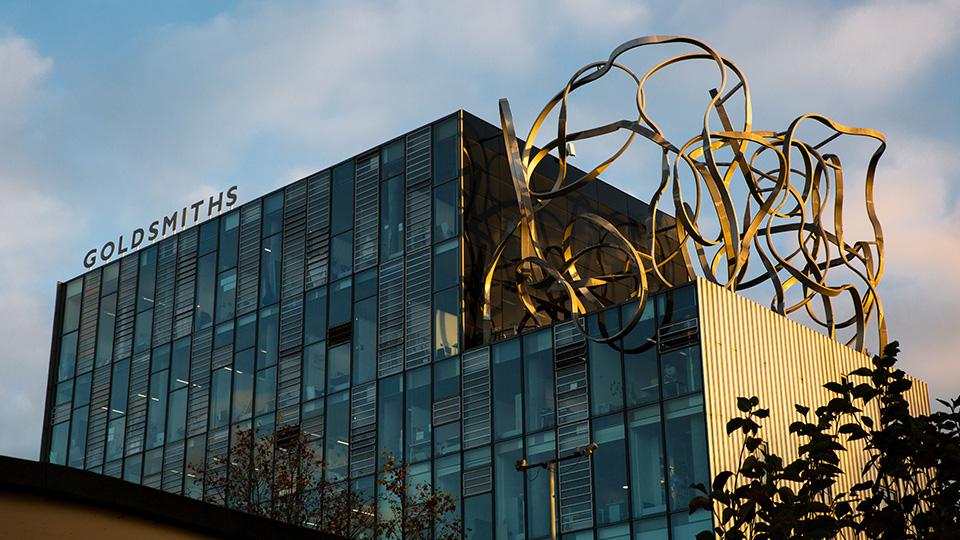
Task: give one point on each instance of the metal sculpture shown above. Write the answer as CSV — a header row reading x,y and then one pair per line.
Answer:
x,y
789,205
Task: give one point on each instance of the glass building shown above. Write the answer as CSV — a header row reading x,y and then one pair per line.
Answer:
x,y
348,305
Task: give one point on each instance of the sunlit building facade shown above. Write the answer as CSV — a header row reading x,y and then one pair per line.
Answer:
x,y
348,305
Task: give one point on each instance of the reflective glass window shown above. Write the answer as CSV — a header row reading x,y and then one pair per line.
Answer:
x,y
270,270
195,464
446,323
446,264
266,397
71,308
507,398
315,315
81,394
243,386
681,371
338,368
58,443
478,515
223,335
642,382
391,218
684,525
508,491
273,214
616,532
105,328
677,304
418,415
131,468
540,448
157,409
341,255
206,291
220,397
338,435
153,462
314,370
538,380
109,278
119,388
246,333
68,356
114,448
646,462
341,203
160,358
446,152
229,240
446,214
147,278
365,341
177,416
341,297
390,415
180,364
144,331
446,378
268,338
226,295
610,470
651,529
365,284
446,439
606,380
208,236
446,477
64,392
78,437
391,159
686,449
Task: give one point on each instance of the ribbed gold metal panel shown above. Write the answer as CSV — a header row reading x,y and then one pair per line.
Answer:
x,y
749,350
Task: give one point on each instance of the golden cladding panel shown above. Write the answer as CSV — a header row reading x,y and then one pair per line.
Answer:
x,y
749,350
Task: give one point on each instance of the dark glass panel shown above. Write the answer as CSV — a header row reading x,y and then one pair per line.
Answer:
x,y
677,304
270,270
446,478
507,398
646,462
220,398
268,338
195,464
119,388
265,425
391,159
147,278
109,278
477,457
223,335
105,328
642,382
606,379
390,416
71,310
446,151
446,439
180,364
157,409
226,295
144,331
681,371
58,443
338,368
153,462
446,211
651,529
365,284
131,468
341,255
478,515
391,219
81,394
418,415
315,315
115,438
160,358
686,449
615,532
446,323
365,341
177,416
508,491
266,398
243,386
246,333
540,448
538,380
684,525
229,240
610,470
64,392
314,369
446,265
208,236
68,357
338,435
78,437
206,291
341,298
341,203
446,378
272,214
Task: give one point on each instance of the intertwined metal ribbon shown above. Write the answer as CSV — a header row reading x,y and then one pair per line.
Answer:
x,y
789,205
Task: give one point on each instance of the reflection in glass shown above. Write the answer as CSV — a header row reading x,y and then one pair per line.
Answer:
x,y
478,515
314,370
78,437
391,218
642,382
446,215
341,298
144,331
268,339
446,264
418,415
646,462
445,150
538,380
273,214
119,387
270,270
227,295
610,470
341,203
338,368
540,448
71,308
147,278
446,323
220,398
157,409
315,315
508,493
243,385
68,357
390,416
229,240
686,449
365,341
105,328
338,435
177,416
681,371
446,379
507,399
266,396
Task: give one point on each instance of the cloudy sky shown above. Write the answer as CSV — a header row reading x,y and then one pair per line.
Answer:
x,y
113,112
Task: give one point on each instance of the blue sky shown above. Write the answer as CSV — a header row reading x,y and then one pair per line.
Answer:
x,y
113,112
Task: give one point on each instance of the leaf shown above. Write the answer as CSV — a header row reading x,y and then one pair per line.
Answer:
x,y
721,480
802,410
834,387
734,424
743,404
762,413
698,503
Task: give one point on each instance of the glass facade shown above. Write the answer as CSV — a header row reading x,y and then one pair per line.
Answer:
x,y
345,305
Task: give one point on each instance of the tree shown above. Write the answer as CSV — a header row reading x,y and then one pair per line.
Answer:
x,y
280,477
911,482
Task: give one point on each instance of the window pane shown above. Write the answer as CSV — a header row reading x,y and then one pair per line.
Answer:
x,y
315,315
540,447
246,331
115,438
446,379
105,328
341,255
180,364
683,525
446,220
619,532
686,449
642,382
208,236
226,295
273,214
157,410
338,435
681,371
64,391
446,439
81,394
68,356
365,341
538,380
390,416
677,304
606,381
119,387
446,265
341,298
229,240
445,150
147,278
507,400
314,369
338,372
341,203
270,270
206,289
71,312
266,401
109,278
509,490
478,516
391,218
220,398
243,386
177,416
446,323
193,481
78,437
58,443
268,339
651,529
365,284
144,331
646,462
131,468
610,470
391,159
447,479
418,415
223,335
